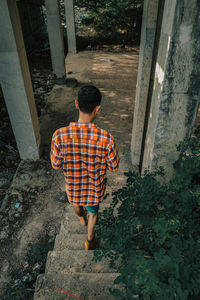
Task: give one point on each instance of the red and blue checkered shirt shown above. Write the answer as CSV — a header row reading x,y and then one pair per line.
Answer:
x,y
85,152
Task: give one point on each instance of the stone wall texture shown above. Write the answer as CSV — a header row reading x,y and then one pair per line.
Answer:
x,y
176,90
149,20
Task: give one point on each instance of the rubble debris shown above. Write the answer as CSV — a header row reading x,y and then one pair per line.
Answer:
x,y
105,59
26,265
25,176
70,73
27,277
71,82
17,205
17,282
17,215
37,266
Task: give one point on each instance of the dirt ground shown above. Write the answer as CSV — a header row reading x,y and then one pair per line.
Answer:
x,y
115,74
33,205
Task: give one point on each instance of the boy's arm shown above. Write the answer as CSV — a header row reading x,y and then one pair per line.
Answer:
x,y
55,155
113,160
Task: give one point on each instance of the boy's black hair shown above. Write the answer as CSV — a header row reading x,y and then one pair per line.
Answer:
x,y
88,98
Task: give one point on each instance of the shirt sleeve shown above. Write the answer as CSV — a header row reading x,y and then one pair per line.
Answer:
x,y
55,155
113,160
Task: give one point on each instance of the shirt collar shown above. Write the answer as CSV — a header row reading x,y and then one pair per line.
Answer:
x,y
78,124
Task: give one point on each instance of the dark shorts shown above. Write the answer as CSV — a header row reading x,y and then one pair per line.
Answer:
x,y
92,208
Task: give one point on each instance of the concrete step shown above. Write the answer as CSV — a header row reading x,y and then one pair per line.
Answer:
x,y
70,261
86,286
72,226
72,241
69,241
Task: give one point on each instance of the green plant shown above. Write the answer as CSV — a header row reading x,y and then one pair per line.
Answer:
x,y
156,232
109,16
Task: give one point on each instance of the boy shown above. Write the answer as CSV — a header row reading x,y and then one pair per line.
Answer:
x,y
85,152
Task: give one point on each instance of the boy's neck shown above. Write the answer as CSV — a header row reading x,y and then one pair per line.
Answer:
x,y
85,118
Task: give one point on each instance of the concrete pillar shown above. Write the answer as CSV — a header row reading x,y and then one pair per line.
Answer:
x,y
16,82
55,39
71,35
148,32
176,89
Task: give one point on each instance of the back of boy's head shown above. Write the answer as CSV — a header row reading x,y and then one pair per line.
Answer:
x,y
88,98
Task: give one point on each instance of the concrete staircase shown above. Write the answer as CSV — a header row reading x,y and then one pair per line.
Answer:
x,y
70,268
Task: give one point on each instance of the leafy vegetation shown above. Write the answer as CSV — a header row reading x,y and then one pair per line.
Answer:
x,y
107,21
23,282
109,16
156,232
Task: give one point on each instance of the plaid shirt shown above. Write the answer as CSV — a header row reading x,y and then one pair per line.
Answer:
x,y
85,152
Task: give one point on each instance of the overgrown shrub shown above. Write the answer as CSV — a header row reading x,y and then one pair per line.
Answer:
x,y
119,21
157,232
111,15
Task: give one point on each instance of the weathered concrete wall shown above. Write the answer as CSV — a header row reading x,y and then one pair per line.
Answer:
x,y
55,39
16,82
149,22
176,88
71,34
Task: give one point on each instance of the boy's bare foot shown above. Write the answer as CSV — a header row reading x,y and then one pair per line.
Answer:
x,y
90,245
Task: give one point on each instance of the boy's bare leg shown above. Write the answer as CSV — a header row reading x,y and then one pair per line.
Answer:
x,y
78,210
92,221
